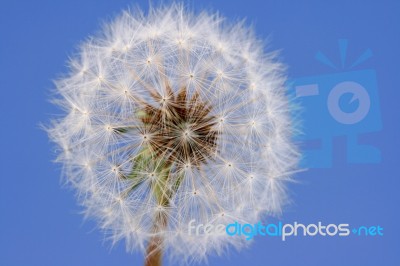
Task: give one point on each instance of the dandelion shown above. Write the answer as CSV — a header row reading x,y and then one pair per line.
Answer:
x,y
172,117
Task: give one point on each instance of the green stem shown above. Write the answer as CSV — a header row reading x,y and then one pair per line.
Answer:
x,y
162,190
162,196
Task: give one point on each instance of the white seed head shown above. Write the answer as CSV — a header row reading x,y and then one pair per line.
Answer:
x,y
180,115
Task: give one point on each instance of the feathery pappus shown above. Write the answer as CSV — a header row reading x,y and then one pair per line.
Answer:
x,y
174,116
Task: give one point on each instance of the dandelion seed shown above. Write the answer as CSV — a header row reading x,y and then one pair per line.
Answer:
x,y
172,117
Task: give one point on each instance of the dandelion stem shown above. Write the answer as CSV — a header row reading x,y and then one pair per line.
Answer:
x,y
154,248
162,195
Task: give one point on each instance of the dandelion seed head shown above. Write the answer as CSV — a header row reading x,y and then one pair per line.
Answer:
x,y
180,116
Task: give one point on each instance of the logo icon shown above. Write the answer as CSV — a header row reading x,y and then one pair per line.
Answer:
x,y
343,103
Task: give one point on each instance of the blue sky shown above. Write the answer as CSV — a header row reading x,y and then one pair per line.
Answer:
x,y
40,223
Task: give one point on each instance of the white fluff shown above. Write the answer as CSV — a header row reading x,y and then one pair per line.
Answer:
x,y
226,65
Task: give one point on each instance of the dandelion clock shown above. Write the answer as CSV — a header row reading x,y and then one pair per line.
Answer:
x,y
171,117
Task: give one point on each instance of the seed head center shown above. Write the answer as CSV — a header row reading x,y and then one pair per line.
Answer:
x,y
182,128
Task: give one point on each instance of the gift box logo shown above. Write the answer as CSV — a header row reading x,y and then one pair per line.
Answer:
x,y
339,104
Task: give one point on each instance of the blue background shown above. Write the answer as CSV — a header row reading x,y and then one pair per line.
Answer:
x,y
40,222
